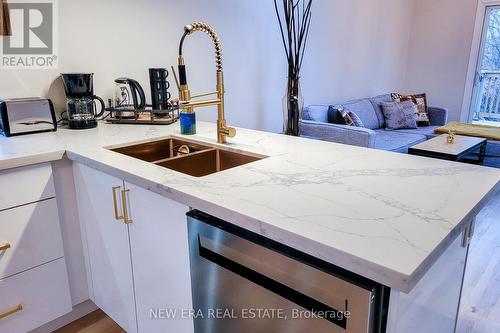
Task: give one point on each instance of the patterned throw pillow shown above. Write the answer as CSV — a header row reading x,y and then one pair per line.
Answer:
x,y
346,116
399,115
356,120
349,118
421,101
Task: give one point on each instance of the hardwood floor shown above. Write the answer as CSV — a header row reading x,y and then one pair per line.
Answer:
x,y
95,322
480,307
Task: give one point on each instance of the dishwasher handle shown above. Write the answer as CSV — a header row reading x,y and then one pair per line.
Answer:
x,y
330,314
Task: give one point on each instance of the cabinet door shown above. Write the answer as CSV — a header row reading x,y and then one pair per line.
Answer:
x,y
108,247
160,257
432,306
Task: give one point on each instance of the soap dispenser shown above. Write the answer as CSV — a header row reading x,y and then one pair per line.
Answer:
x,y
187,118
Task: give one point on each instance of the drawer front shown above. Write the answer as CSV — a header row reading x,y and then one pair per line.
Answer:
x,y
23,185
43,293
30,236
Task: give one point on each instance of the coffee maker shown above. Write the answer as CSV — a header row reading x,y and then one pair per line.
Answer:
x,y
81,109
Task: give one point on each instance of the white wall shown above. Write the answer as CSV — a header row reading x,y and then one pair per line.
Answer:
x,y
357,48
439,51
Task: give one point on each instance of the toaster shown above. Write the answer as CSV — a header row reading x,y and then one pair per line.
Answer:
x,y
27,115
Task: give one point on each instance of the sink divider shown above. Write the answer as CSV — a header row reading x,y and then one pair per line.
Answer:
x,y
186,155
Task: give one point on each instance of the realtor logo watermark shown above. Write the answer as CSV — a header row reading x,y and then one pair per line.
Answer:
x,y
33,44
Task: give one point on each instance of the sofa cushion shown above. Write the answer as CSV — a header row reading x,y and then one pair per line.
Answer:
x,y
377,105
421,101
428,131
317,113
346,117
399,115
363,108
396,140
356,120
334,116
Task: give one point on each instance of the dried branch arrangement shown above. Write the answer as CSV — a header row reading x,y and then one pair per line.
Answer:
x,y
5,28
294,18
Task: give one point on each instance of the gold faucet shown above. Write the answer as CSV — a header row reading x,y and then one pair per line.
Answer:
x,y
186,99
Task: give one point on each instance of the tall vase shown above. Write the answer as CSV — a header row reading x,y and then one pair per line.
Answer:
x,y
293,105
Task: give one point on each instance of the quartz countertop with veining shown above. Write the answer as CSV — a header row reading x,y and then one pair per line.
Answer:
x,y
383,215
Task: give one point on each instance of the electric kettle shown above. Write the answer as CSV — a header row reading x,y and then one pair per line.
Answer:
x,y
129,97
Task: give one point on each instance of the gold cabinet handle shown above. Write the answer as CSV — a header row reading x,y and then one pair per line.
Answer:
x,y
126,220
4,247
115,204
17,309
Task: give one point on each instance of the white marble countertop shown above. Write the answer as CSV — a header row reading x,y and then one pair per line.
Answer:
x,y
383,215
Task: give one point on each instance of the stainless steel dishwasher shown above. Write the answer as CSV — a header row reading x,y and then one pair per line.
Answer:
x,y
243,282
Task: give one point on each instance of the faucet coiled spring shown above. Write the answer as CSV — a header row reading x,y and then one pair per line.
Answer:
x,y
203,27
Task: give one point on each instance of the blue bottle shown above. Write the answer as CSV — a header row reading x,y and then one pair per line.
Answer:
x,y
188,122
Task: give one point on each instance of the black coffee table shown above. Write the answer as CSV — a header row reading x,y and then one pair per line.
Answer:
x,y
461,150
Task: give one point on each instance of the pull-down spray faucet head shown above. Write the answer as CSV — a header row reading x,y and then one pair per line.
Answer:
x,y
203,27
189,29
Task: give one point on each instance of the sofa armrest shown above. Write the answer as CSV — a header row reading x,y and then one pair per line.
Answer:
x,y
356,136
438,116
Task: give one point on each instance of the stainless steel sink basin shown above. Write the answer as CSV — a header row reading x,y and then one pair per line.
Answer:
x,y
188,157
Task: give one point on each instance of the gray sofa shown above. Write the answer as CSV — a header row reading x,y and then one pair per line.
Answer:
x,y
318,121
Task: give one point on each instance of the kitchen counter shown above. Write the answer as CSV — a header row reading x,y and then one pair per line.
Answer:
x,y
382,215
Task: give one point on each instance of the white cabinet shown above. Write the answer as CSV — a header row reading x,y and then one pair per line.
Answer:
x,y
71,232
107,245
432,306
20,186
136,268
34,297
33,234
34,285
160,257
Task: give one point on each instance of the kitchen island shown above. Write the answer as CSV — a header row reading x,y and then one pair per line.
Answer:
x,y
384,216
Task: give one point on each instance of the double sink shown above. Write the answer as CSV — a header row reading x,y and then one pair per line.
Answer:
x,y
191,158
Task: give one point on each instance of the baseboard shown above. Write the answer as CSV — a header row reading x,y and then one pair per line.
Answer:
x,y
79,311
